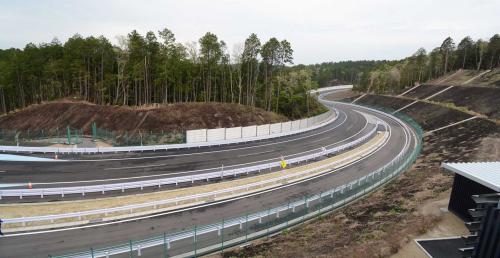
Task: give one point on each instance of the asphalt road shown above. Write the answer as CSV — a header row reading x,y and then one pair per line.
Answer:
x,y
111,168
41,244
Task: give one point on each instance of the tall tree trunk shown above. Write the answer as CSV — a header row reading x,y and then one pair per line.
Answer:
x,y
465,57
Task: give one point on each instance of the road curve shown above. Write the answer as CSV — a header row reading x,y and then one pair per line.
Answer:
x,y
109,168
41,244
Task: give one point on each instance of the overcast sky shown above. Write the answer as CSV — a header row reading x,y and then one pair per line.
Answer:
x,y
319,31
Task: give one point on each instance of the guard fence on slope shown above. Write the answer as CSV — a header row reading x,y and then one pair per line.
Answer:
x,y
214,237
182,179
77,136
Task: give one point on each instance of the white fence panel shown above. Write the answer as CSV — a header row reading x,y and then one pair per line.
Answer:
x,y
275,128
311,120
233,133
218,134
263,130
199,135
303,123
286,126
249,131
295,125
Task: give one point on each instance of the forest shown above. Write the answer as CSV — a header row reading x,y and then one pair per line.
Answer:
x,y
155,68
391,76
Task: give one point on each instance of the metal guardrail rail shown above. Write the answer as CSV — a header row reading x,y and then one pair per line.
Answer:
x,y
332,116
176,200
175,180
230,232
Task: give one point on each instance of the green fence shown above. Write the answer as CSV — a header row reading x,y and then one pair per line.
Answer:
x,y
66,135
229,232
72,136
139,137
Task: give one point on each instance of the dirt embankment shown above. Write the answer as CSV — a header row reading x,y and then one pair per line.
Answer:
x,y
470,77
483,100
382,223
174,117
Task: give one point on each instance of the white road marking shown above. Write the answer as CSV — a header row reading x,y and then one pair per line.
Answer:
x,y
192,171
203,205
321,139
205,152
256,153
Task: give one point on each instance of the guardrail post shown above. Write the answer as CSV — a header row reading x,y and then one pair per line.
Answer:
x,y
194,241
139,253
92,252
246,226
306,205
131,253
287,208
222,237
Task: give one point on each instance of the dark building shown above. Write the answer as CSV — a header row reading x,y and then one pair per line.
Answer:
x,y
474,178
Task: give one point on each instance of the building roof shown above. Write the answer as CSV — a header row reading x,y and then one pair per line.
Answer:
x,y
485,173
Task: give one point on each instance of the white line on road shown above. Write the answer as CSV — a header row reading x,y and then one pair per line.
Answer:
x,y
203,205
206,169
256,153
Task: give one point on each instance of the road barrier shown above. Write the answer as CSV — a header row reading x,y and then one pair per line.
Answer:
x,y
195,197
276,129
200,136
62,191
206,239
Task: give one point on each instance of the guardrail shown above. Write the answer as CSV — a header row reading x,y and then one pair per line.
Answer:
x,y
230,232
177,200
331,88
319,121
176,180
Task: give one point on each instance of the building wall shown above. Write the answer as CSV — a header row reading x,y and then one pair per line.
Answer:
x,y
460,199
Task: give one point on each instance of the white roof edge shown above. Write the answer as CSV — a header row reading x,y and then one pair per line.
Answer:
x,y
478,175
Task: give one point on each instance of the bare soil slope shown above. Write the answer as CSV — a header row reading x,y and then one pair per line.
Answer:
x,y
469,77
174,117
380,224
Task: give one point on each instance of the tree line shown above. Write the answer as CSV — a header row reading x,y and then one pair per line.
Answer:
x,y
391,76
155,68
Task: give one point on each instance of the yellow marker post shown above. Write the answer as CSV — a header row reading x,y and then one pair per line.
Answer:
x,y
283,164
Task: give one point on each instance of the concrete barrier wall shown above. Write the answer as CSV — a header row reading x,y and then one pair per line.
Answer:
x,y
218,134
286,127
310,121
199,135
249,131
233,133
303,123
295,125
275,128
263,130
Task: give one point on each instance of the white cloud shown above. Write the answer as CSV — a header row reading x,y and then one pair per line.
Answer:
x,y
318,30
